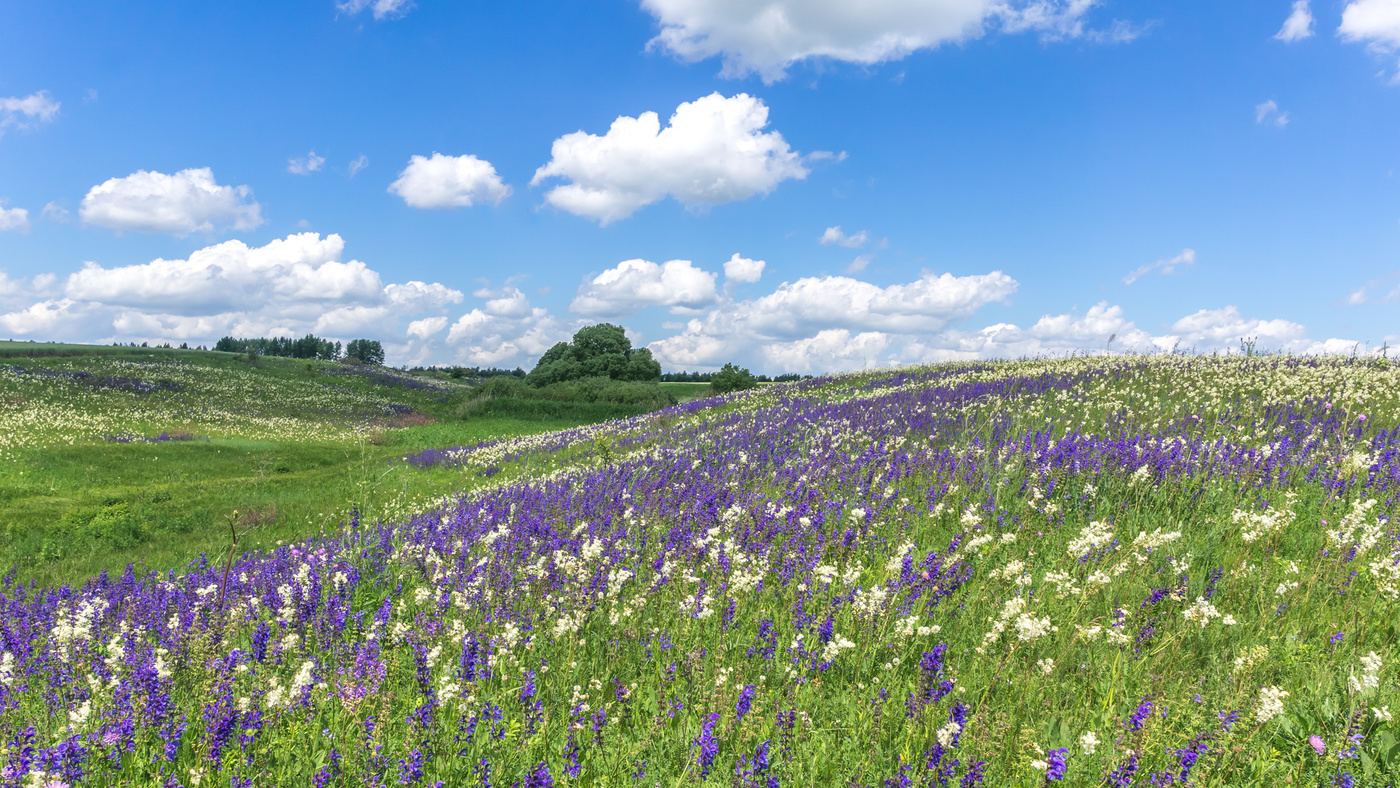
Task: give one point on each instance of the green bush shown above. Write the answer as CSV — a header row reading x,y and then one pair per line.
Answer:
x,y
601,350
732,378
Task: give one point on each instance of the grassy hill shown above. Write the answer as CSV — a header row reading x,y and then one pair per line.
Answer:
x,y
115,454
1092,571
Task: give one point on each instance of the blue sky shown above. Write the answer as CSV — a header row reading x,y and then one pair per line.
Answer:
x,y
472,182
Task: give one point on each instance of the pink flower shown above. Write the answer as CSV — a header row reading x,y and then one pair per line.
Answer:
x,y
1318,745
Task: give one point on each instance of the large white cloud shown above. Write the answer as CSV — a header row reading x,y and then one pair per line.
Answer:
x,y
14,219
449,182
289,286
712,151
31,110
1376,22
743,269
767,36
506,330
799,312
634,284
187,202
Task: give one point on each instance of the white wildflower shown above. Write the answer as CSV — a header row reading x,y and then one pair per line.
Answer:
x,y
1089,742
1270,704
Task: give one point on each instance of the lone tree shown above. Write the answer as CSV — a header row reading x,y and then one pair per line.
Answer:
x,y
367,351
601,350
732,378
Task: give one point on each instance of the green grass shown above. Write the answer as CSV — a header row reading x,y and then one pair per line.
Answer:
x,y
284,448
685,392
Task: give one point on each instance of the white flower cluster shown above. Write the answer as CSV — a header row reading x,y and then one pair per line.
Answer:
x,y
1091,537
947,732
1270,704
1254,525
1251,657
835,646
908,626
1145,542
1370,674
1204,611
869,602
896,561
1014,570
1029,628
1357,528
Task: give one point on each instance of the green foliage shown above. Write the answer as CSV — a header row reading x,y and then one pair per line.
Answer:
x,y
732,378
309,346
601,350
585,399
367,351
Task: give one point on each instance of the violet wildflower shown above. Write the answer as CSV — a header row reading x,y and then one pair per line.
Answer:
x,y
707,745
1056,765
745,702
1139,717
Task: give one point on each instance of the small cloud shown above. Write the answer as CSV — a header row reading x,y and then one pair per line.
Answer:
x,y
1382,289
826,155
1186,259
306,165
89,96
14,219
53,212
449,182
1267,113
742,269
1298,25
834,237
857,265
27,112
302,223
358,164
383,9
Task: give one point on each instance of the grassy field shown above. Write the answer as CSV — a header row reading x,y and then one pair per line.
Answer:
x,y
1118,572
281,448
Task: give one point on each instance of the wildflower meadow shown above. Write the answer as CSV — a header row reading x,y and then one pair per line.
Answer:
x,y
1108,571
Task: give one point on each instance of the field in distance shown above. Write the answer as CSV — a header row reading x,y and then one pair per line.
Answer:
x,y
117,454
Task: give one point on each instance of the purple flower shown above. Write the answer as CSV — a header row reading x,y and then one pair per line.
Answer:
x,y
707,745
1055,765
1318,745
745,700
1139,717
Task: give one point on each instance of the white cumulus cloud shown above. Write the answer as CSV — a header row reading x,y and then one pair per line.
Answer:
x,y
801,310
31,110
1298,25
449,182
1376,22
712,151
382,9
505,330
287,287
14,219
306,165
634,284
1167,266
767,36
187,202
742,269
834,236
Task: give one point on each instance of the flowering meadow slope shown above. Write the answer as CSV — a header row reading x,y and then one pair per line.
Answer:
x,y
1116,572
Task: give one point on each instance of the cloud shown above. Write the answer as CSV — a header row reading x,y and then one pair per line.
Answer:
x,y
27,112
14,219
833,235
1376,22
287,287
358,164
742,269
765,37
426,327
449,182
383,9
800,310
1268,113
1380,290
53,212
306,165
712,151
1186,259
1216,328
187,202
505,330
860,263
1298,25
632,285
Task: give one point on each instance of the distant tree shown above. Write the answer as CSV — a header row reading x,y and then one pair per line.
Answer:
x,y
367,351
732,378
601,350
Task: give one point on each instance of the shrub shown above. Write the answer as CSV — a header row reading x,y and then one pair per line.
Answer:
x,y
732,378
